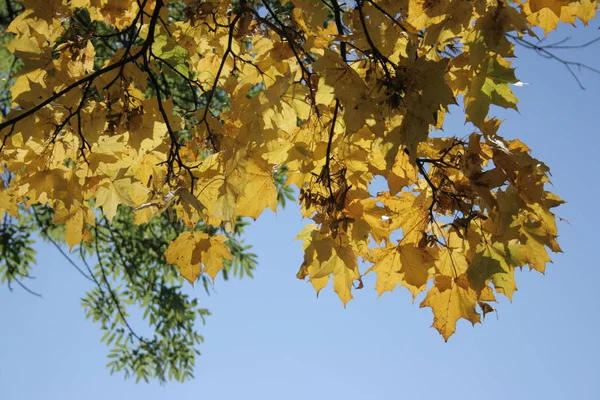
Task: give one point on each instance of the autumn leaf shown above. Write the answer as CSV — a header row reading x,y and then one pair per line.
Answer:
x,y
490,263
403,264
8,203
75,220
451,299
112,194
196,253
325,257
260,192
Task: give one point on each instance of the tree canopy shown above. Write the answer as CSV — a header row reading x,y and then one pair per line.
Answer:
x,y
145,134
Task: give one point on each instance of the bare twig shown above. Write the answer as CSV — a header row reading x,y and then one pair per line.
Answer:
x,y
543,50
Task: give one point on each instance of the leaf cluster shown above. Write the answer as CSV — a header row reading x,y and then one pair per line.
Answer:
x,y
154,130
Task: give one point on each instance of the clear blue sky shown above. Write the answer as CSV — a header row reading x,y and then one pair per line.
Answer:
x,y
271,338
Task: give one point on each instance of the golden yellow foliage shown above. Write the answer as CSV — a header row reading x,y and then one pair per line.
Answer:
x,y
337,93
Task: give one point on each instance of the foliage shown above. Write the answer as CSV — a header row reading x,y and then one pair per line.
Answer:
x,y
147,130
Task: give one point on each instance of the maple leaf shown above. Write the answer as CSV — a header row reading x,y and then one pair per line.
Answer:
x,y
8,203
196,253
490,87
75,219
408,212
533,250
406,264
325,256
44,184
491,264
112,194
260,192
451,299
403,173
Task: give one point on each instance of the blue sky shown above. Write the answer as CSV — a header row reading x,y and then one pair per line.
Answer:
x,y
271,338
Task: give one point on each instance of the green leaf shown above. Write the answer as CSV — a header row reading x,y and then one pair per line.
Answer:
x,y
166,49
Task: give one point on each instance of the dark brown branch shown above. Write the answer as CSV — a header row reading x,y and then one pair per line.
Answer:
x,y
434,188
93,33
383,60
174,155
325,175
391,17
337,13
212,92
559,44
282,31
190,82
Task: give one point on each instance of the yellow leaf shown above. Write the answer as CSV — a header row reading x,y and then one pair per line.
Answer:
x,y
409,212
147,169
213,255
532,251
451,262
113,193
191,249
422,13
260,192
451,299
75,221
403,173
201,120
8,203
47,184
324,257
387,268
406,264
184,252
490,263
369,218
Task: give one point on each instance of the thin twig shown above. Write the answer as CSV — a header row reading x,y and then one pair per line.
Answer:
x,y
55,244
543,51
113,296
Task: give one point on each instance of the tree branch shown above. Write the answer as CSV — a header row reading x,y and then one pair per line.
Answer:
x,y
121,63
